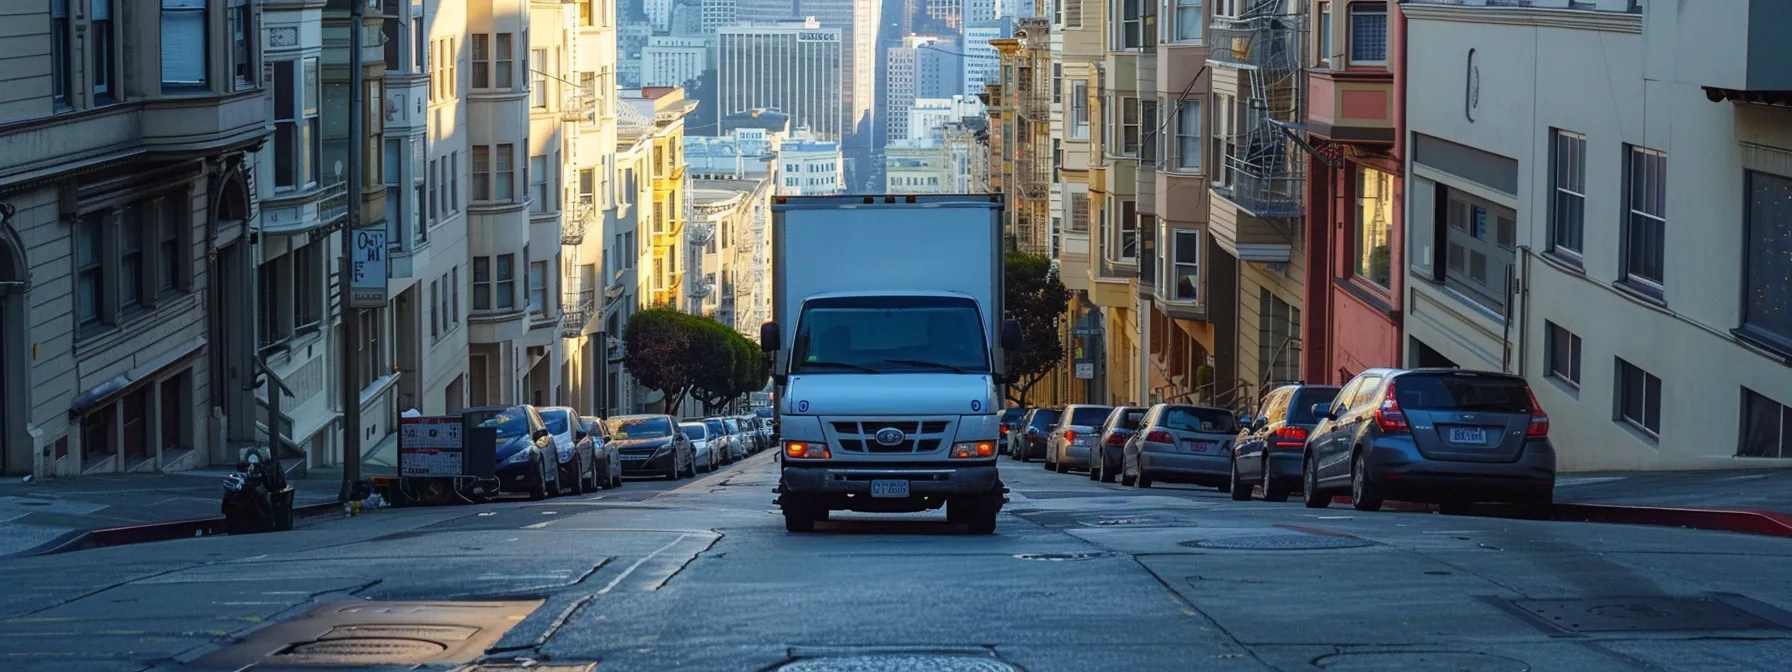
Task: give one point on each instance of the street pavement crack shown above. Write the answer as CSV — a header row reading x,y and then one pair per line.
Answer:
x,y
1190,609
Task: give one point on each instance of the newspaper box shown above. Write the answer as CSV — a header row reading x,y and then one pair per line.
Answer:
x,y
445,458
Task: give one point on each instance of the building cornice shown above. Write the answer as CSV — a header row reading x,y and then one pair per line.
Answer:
x,y
1537,17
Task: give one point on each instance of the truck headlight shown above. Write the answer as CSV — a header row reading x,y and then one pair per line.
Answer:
x,y
974,449
803,450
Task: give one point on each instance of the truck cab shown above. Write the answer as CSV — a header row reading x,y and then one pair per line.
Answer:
x,y
889,374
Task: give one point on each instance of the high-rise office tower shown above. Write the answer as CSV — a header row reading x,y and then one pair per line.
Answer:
x,y
923,67
792,67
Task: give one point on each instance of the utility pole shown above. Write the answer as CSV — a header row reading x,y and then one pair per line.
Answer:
x,y
351,316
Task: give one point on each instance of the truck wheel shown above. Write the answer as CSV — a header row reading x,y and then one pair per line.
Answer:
x,y
980,513
799,516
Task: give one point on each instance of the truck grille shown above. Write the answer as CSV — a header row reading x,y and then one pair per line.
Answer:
x,y
921,436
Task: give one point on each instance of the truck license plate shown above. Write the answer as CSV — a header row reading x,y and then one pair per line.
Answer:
x,y
1468,435
888,489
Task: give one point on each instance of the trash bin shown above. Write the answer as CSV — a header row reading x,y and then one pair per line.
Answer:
x,y
281,501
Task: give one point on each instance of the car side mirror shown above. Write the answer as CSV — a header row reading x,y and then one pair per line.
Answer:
x,y
1011,334
770,337
541,434
1245,420
1323,411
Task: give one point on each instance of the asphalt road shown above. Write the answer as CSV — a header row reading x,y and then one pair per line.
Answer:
x,y
699,575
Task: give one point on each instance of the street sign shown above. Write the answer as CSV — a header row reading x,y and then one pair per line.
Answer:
x,y
1083,331
1085,370
367,268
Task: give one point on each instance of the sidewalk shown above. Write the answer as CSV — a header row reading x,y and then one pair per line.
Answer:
x,y
1760,490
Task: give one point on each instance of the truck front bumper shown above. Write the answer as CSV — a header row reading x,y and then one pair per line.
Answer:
x,y
924,479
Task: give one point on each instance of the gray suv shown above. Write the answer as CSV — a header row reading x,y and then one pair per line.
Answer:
x,y
1445,436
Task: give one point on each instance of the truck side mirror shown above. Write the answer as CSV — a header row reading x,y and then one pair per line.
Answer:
x,y
770,337
1011,334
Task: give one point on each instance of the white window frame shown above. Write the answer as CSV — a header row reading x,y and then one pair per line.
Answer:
x,y
299,150
1079,110
538,184
1568,177
1186,31
1124,120
1176,265
1651,209
538,286
241,22
1323,25
1368,10
1188,145
1129,31
538,80
503,63
181,69
481,48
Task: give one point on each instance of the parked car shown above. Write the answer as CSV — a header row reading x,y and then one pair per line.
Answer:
x,y
766,436
651,445
1104,462
578,459
749,426
739,435
731,449
1444,436
1269,447
1033,429
707,454
1181,443
609,462
1068,444
1009,420
528,459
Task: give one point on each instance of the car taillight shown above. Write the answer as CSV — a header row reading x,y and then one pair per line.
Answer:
x,y
1159,436
1116,439
1388,417
1539,428
1069,435
1291,436
1004,429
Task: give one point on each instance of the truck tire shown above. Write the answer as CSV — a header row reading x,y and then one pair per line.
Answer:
x,y
980,513
799,515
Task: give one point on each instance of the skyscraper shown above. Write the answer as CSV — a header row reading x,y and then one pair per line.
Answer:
x,y
923,67
982,65
791,67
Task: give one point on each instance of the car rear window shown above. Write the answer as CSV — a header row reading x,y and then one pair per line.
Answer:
x,y
1300,411
1012,414
1129,418
1090,416
1458,392
1198,419
1045,417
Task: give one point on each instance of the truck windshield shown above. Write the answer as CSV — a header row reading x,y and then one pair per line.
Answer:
x,y
879,334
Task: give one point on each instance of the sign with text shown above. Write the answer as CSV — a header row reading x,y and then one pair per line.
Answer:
x,y
431,447
367,268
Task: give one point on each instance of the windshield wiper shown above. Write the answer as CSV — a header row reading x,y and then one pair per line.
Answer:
x,y
838,365
922,362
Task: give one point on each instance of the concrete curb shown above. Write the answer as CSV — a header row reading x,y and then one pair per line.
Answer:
x,y
163,531
1746,521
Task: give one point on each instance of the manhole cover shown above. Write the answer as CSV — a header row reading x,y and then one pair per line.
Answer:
x,y
1455,661
434,633
900,663
1058,557
1643,614
364,650
1123,521
1279,542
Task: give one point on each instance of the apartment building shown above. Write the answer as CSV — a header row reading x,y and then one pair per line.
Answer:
x,y
674,61
809,167
1104,113
1026,148
917,166
727,234
127,205
668,205
1625,251
627,259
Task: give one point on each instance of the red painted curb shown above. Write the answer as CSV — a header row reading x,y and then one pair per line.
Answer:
x,y
1746,521
165,531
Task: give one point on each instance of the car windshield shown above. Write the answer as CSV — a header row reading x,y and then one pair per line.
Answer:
x,y
1045,417
879,334
1459,392
557,420
1198,419
694,430
715,427
1089,416
511,423
1300,411
649,427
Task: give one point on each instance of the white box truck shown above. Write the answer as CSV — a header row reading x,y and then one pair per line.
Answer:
x,y
887,339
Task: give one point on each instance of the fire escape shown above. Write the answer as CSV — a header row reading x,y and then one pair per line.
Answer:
x,y
1261,164
1032,169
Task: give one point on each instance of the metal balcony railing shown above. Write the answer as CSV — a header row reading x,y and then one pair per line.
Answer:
x,y
577,107
574,222
1269,187
576,312
701,234
1267,40
1030,178
332,204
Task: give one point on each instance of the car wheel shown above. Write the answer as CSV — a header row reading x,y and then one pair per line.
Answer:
x,y
616,477
1453,507
1240,488
539,489
1273,491
672,471
1144,479
1094,472
577,486
1309,487
1363,495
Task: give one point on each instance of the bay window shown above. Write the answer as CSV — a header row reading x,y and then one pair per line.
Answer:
x,y
242,45
482,173
1188,136
538,80
183,44
1374,227
482,61
538,184
1079,110
1369,33
419,191
538,286
505,285
1130,33
1128,241
504,175
1188,21
501,66
105,63
482,283
60,53
296,136
1186,266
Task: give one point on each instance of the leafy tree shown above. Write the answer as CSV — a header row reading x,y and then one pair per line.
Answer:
x,y
658,344
1038,299
717,357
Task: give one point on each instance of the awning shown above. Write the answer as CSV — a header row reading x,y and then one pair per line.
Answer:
x,y
116,386
1774,98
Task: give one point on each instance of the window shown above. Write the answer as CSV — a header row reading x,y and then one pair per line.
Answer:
x,y
501,67
538,80
169,250
1128,242
1374,227
297,140
435,311
1479,248
60,53
1325,33
435,189
1561,353
1767,303
538,286
504,186
482,173
1187,265
1129,126
1645,219
587,186
1568,213
454,181
444,70
1188,136
1057,82
504,288
482,283
419,45
1766,427
90,282
183,44
308,286
1639,398
130,256
585,15
1131,35
1079,110
105,60
482,61
242,45
1278,334
538,184
454,295
393,42
1079,213
1153,128
1368,33
371,353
